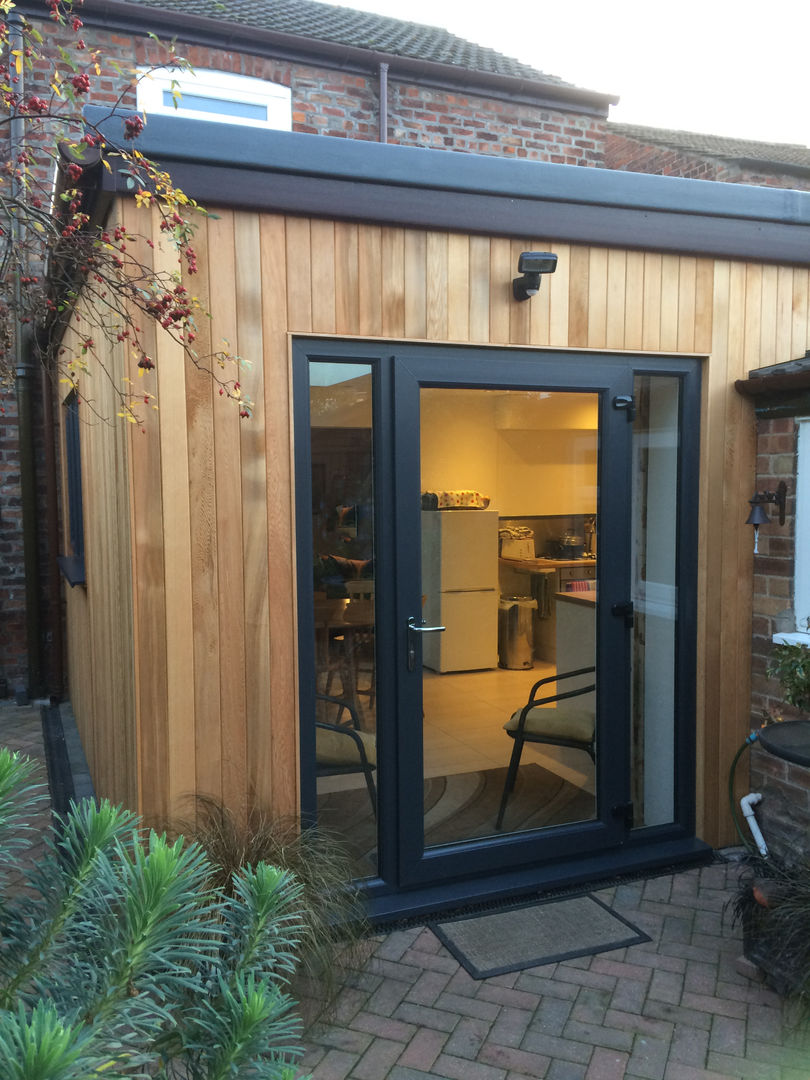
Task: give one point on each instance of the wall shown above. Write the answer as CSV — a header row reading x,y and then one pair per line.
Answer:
x,y
632,155
99,613
327,102
214,617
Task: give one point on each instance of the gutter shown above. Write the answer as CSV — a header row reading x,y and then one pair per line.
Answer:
x,y
117,15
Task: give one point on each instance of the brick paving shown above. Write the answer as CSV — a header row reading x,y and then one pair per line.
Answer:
x,y
674,1008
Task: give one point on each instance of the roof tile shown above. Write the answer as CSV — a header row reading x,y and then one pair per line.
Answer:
x,y
358,29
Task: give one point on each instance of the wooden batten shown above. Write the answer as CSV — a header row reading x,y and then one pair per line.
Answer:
x,y
199,657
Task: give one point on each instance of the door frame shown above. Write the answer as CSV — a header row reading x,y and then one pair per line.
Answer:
x,y
407,878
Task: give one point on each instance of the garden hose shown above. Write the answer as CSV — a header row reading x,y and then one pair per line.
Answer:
x,y
752,738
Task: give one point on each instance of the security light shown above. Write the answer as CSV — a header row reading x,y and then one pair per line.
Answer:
x,y
531,265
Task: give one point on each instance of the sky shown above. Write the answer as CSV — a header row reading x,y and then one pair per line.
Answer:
x,y
716,66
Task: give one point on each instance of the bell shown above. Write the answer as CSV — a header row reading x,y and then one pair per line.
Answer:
x,y
758,515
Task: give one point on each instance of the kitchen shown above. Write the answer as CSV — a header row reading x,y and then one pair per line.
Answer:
x,y
509,546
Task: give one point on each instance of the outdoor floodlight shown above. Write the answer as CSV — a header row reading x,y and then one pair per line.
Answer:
x,y
531,265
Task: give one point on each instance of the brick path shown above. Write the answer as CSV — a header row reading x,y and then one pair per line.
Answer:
x,y
675,1008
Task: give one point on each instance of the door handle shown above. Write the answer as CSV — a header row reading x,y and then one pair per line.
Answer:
x,y
419,630
624,611
424,629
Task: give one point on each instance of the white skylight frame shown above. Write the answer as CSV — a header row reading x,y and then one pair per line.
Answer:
x,y
219,96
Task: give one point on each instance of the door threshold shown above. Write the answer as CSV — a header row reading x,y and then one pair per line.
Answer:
x,y
595,871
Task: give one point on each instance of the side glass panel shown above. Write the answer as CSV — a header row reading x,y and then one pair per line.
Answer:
x,y
655,595
343,478
509,562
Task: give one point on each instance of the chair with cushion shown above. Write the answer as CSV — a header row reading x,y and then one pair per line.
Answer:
x,y
572,722
341,748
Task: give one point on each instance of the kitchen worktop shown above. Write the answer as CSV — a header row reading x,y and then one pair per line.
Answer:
x,y
530,566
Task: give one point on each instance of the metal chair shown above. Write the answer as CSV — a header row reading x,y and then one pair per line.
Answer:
x,y
341,748
564,725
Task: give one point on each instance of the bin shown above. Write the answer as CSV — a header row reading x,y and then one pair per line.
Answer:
x,y
516,632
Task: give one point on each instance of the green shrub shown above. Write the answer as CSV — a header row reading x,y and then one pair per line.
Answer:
x,y
790,664
120,960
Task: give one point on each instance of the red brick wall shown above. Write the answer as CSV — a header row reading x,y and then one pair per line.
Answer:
x,y
784,813
773,567
631,155
13,662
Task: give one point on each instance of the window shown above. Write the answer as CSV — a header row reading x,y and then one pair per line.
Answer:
x,y
72,565
215,95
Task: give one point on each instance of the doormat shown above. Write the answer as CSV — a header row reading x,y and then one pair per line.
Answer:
x,y
531,935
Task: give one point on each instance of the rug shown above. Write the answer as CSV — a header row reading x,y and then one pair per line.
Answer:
x,y
463,806
534,934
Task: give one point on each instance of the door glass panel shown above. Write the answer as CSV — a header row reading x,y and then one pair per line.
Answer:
x,y
343,576
509,557
655,595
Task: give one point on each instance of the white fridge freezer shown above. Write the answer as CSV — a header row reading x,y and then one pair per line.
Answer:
x,y
460,589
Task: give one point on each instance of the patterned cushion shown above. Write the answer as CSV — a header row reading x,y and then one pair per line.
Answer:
x,y
335,748
566,721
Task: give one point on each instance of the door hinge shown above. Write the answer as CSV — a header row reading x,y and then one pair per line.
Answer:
x,y
624,811
627,403
624,610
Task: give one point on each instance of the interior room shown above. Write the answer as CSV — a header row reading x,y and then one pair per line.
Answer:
x,y
509,556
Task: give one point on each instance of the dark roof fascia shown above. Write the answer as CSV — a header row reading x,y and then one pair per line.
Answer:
x,y
762,385
114,15
390,184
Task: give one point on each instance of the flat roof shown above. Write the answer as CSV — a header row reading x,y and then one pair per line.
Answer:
x,y
288,172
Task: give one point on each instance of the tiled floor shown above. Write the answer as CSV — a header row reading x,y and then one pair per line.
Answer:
x,y
676,1008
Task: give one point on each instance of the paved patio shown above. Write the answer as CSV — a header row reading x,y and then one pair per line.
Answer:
x,y
676,1008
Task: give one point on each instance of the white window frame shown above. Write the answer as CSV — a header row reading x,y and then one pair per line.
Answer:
x,y
801,557
157,89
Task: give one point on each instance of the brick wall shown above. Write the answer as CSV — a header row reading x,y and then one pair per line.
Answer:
x,y
630,155
784,813
13,661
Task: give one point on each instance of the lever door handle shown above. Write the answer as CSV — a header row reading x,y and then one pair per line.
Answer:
x,y
418,630
424,629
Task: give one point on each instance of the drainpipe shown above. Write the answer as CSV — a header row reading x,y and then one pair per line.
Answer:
x,y
383,103
24,380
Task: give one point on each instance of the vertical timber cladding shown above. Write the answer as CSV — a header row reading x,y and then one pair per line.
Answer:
x,y
99,614
217,711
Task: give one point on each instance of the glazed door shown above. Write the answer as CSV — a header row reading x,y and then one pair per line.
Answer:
x,y
477,524
503,536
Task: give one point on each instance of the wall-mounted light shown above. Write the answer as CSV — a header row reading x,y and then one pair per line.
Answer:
x,y
759,516
531,265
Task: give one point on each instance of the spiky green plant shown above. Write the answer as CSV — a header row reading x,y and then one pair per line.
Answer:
x,y
121,959
772,903
334,931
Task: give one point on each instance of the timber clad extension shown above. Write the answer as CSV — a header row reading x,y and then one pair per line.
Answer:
x,y
210,500
183,645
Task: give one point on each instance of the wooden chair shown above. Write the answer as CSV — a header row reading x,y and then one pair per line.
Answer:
x,y
565,725
341,748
